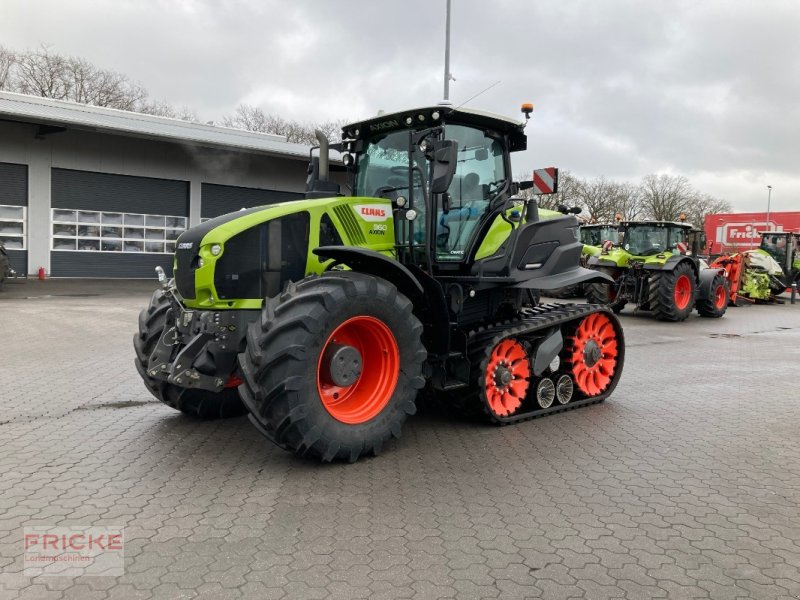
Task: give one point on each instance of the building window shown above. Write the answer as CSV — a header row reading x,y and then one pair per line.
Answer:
x,y
12,227
89,230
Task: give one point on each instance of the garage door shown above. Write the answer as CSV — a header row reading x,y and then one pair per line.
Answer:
x,y
106,225
221,199
13,214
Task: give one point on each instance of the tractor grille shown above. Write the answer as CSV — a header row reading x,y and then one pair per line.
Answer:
x,y
348,220
184,273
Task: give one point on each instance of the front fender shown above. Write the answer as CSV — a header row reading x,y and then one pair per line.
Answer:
x,y
571,277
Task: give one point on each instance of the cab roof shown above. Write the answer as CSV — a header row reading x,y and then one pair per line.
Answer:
x,y
657,224
430,116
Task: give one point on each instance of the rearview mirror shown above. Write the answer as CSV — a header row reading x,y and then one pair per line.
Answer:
x,y
444,156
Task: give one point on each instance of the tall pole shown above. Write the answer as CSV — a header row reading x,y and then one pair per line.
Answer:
x,y
447,55
769,198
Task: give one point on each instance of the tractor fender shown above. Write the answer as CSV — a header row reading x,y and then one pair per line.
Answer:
x,y
706,279
600,261
423,290
572,277
375,263
672,262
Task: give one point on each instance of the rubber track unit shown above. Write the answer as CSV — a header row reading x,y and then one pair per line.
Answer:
x,y
529,322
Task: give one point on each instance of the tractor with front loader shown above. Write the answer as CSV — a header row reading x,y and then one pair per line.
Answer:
x,y
656,267
324,318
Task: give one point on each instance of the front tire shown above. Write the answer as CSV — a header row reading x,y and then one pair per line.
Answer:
x,y
606,294
202,404
717,303
333,367
672,293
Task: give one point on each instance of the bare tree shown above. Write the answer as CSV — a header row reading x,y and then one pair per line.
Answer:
x,y
702,205
665,197
252,118
8,59
599,199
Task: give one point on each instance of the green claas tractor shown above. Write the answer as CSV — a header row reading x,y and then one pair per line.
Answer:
x,y
324,318
592,235
784,248
654,269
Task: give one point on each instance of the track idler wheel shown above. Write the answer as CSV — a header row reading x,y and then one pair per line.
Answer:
x,y
506,377
593,354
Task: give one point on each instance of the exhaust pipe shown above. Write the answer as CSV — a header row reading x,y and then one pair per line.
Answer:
x,y
323,154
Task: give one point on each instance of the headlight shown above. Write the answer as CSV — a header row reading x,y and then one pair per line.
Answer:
x,y
200,263
216,249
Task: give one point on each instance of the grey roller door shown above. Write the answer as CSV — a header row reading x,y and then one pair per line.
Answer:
x,y
105,209
14,192
218,200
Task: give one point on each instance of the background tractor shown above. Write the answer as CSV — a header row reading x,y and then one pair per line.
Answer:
x,y
592,235
328,315
784,248
653,269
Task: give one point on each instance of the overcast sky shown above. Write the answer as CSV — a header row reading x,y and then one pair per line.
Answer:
x,y
706,89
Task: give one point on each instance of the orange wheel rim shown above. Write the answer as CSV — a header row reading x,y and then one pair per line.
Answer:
x,y
594,354
683,292
720,297
506,377
371,391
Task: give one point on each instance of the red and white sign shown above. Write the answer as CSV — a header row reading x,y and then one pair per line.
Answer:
x,y
545,181
735,232
374,213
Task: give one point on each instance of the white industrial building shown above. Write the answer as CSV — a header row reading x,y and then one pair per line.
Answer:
x,y
98,192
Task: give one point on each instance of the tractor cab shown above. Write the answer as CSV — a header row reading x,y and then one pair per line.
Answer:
x,y
651,238
446,173
596,234
783,246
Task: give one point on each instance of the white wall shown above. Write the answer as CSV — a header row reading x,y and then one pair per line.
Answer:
x,y
88,151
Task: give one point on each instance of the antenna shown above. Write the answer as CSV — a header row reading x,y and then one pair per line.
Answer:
x,y
479,93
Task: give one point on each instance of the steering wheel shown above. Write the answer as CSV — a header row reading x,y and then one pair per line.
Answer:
x,y
651,252
399,170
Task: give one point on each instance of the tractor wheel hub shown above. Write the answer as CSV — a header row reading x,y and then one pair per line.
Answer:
x,y
502,376
344,364
591,353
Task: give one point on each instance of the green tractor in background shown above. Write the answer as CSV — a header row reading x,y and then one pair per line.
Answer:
x,y
324,318
592,235
654,269
784,248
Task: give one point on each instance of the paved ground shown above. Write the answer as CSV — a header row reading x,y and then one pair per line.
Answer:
x,y
685,484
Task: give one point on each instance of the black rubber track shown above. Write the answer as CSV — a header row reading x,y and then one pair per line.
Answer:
x,y
471,401
707,307
661,293
283,349
598,293
196,403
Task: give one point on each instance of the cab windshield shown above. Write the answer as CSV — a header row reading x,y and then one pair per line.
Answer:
x,y
647,240
775,245
595,236
382,172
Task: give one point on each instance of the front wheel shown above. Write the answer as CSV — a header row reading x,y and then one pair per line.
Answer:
x,y
204,404
607,294
717,302
333,367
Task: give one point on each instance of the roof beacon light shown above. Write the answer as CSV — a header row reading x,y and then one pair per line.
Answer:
x,y
527,109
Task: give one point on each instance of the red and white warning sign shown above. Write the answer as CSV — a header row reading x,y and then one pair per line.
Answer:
x,y
545,181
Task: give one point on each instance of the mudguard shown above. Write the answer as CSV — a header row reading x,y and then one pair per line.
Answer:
x,y
706,278
571,277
